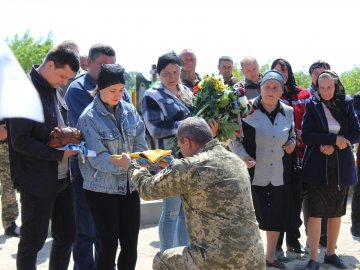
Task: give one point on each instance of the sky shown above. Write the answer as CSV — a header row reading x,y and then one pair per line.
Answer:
x,y
142,30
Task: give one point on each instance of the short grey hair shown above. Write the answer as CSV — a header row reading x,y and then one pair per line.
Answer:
x,y
248,60
196,129
187,51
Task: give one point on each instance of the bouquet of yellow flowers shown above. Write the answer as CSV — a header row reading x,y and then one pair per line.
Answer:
x,y
216,100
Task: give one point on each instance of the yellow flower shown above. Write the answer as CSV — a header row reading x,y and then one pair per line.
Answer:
x,y
212,83
219,86
206,76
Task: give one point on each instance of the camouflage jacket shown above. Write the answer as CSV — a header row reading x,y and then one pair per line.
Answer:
x,y
214,186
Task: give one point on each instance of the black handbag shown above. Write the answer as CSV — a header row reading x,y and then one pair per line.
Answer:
x,y
297,181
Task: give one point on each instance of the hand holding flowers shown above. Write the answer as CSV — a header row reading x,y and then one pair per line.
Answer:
x,y
215,100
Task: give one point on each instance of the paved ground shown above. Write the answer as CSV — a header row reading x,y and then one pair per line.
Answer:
x,y
348,249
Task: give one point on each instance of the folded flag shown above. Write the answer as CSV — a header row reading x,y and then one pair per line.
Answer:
x,y
80,148
151,158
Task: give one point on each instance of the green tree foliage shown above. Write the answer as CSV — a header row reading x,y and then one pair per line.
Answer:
x,y
351,80
302,79
29,51
130,83
264,68
237,72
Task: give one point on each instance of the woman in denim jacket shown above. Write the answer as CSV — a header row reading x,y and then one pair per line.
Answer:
x,y
164,106
112,126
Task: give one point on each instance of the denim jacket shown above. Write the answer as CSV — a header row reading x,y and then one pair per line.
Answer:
x,y
107,134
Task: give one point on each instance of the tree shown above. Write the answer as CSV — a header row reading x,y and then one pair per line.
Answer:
x,y
237,72
264,68
351,80
302,79
131,80
28,51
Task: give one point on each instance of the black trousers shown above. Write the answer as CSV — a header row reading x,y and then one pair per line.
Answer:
x,y
117,219
35,215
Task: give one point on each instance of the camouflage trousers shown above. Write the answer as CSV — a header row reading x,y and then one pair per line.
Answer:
x,y
194,258
175,258
9,204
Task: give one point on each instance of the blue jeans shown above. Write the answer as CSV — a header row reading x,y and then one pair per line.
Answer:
x,y
86,235
172,228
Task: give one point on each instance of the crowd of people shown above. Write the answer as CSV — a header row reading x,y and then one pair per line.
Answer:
x,y
293,154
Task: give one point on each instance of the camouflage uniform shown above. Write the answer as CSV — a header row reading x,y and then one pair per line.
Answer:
x,y
9,204
215,191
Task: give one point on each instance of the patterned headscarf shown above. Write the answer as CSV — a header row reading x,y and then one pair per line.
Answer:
x,y
339,94
335,105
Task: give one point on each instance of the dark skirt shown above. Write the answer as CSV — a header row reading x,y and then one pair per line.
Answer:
x,y
271,207
328,201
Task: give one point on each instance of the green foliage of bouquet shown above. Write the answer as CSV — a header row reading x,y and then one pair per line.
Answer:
x,y
215,100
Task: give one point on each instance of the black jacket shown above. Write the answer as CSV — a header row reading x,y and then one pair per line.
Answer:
x,y
34,165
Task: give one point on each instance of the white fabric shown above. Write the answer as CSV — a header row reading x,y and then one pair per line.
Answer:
x,y
18,97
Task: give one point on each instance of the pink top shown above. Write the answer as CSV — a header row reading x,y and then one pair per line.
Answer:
x,y
334,126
